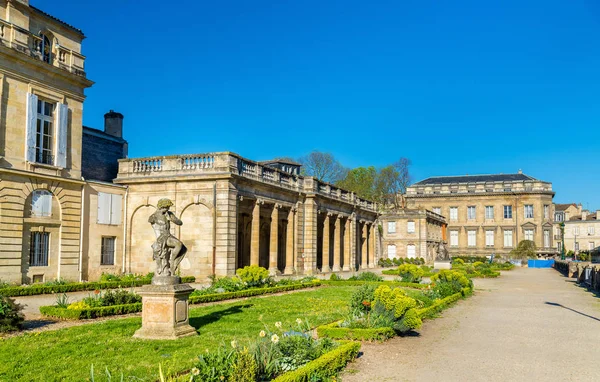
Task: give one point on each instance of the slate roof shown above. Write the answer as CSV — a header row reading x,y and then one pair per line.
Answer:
x,y
283,160
563,207
474,179
592,216
56,19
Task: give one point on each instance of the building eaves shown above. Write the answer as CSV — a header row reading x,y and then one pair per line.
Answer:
x,y
57,20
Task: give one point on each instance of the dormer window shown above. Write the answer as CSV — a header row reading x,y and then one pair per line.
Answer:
x,y
46,49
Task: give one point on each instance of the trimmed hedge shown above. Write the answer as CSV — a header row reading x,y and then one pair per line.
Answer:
x,y
78,287
335,332
250,292
328,365
394,272
89,313
442,304
358,283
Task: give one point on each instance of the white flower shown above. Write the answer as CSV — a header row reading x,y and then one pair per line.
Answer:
x,y
278,324
262,333
274,338
195,371
298,321
234,344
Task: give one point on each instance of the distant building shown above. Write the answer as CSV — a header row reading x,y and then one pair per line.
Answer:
x,y
562,213
582,232
412,233
489,213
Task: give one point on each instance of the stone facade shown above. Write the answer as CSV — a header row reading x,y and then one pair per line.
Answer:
x,y
412,233
489,213
563,213
582,232
238,212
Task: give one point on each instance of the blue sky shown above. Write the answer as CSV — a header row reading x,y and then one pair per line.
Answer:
x,y
459,87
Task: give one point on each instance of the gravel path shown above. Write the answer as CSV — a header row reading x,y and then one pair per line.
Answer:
x,y
528,325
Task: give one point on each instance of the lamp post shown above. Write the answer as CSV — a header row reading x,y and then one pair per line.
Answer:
x,y
562,247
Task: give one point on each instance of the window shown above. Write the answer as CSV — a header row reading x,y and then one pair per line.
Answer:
x,y
46,48
471,238
411,227
528,211
38,249
591,245
546,211
559,246
454,238
575,230
437,210
44,132
546,239
576,247
558,217
41,203
507,212
108,251
489,212
109,208
411,252
590,230
508,239
489,238
391,227
471,212
453,213
529,234
391,251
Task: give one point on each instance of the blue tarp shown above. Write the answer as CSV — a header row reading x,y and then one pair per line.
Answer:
x,y
540,263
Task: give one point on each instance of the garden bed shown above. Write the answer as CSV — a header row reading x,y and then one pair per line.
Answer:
x,y
334,331
359,283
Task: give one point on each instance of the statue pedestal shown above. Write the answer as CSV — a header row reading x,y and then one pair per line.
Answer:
x,y
442,265
165,312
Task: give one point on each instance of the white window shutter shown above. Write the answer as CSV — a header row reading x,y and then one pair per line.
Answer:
x,y
36,204
47,204
115,209
31,128
103,208
62,118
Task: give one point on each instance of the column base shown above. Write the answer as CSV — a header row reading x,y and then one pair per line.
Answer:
x,y
288,271
336,268
273,271
325,269
346,268
165,312
371,266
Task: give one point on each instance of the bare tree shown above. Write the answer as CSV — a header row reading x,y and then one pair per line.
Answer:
x,y
404,179
391,184
322,166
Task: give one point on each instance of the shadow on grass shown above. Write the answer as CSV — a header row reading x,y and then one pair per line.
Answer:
x,y
572,310
198,322
35,324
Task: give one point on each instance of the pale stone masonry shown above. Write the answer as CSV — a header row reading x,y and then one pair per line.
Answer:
x,y
412,233
238,212
489,213
582,232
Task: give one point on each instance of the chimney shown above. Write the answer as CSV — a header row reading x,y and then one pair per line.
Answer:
x,y
113,124
520,171
584,214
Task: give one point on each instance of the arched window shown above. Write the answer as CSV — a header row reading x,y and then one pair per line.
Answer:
x,y
46,49
41,203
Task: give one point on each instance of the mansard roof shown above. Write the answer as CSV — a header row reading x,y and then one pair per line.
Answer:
x,y
475,179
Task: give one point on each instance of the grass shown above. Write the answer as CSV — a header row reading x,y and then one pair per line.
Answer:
x,y
67,354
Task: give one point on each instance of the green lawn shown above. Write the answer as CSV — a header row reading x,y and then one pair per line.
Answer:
x,y
66,355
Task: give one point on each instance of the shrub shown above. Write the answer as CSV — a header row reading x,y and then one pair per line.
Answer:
x,y
449,282
362,298
11,317
410,273
119,297
525,250
335,277
396,301
227,284
254,276
458,261
245,368
366,276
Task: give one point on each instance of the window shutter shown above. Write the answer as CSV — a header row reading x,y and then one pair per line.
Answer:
x,y
36,204
46,204
115,209
62,118
32,101
103,208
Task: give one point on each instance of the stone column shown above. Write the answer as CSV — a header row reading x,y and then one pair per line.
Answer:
x,y
255,234
372,245
363,251
289,244
347,244
310,236
325,252
336,244
274,240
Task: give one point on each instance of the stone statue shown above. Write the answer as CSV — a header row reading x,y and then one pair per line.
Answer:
x,y
442,253
168,251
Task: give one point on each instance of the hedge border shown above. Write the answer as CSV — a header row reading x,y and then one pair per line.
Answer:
x,y
114,310
327,365
394,272
78,287
335,332
358,283
442,304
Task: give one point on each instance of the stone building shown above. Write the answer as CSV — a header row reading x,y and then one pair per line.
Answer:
x,y
238,212
489,213
563,213
582,232
412,233
101,150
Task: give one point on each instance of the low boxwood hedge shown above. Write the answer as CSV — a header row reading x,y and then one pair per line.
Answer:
x,y
358,283
78,287
336,332
442,304
328,365
88,313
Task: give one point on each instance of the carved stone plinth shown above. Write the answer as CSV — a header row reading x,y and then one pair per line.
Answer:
x,y
442,265
165,312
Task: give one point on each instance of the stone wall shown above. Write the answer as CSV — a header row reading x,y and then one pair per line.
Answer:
x,y
100,155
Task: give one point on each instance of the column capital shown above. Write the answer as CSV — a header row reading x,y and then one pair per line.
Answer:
x,y
260,201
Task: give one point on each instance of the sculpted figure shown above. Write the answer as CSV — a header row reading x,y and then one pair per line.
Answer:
x,y
442,253
168,251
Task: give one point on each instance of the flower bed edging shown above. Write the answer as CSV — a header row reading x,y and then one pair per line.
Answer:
x,y
336,332
329,364
77,287
442,304
358,283
250,292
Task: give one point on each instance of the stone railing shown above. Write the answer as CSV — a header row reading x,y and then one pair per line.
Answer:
x,y
27,43
334,192
480,188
